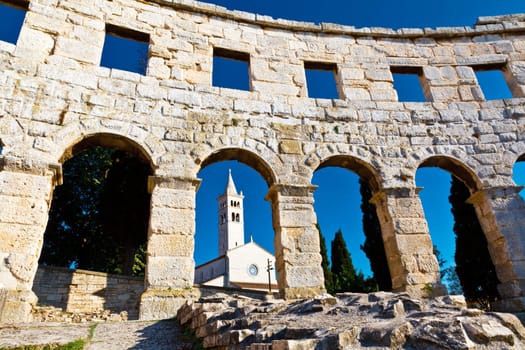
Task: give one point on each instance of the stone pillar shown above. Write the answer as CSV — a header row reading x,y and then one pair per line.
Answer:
x,y
170,266
297,249
25,195
501,213
408,246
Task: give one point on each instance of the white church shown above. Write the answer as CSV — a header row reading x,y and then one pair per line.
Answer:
x,y
239,264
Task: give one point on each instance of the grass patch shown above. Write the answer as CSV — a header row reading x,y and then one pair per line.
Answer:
x,y
91,332
74,345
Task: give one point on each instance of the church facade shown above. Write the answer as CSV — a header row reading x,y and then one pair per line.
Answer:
x,y
239,264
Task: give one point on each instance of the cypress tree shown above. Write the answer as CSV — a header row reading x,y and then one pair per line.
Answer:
x,y
373,246
343,270
325,263
474,266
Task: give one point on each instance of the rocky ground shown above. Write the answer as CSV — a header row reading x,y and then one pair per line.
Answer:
x,y
348,321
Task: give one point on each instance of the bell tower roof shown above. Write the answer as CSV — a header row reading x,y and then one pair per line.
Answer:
x,y
230,186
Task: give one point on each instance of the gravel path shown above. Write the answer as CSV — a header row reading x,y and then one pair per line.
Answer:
x,y
158,335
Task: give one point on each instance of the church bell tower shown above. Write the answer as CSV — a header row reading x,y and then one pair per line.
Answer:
x,y
231,218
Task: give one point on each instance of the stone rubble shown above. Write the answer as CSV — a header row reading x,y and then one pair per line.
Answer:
x,y
349,321
54,314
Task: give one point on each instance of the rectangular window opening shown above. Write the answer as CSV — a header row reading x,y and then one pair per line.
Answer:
x,y
231,69
321,80
408,84
12,15
492,81
125,49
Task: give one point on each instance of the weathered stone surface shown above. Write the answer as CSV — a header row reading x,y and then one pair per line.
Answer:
x,y
54,96
349,321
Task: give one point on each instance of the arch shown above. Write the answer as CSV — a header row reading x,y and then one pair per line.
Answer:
x,y
356,165
455,167
470,229
107,140
122,135
243,156
365,180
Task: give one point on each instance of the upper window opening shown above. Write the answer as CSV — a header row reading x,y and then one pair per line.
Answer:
x,y
231,69
407,82
492,82
125,49
12,16
320,80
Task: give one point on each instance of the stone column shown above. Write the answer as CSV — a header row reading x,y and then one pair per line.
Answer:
x,y
501,213
297,249
408,247
170,265
25,195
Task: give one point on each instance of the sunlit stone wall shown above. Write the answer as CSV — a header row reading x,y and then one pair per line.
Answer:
x,y
54,94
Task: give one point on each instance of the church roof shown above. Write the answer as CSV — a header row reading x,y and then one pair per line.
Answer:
x,y
230,186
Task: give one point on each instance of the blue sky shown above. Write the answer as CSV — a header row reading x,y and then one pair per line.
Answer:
x,y
337,199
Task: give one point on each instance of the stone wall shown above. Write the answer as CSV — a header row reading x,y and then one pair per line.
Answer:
x,y
56,99
80,291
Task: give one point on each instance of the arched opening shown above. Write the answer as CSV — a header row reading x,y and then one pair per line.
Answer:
x,y
234,222
518,173
98,222
460,245
347,219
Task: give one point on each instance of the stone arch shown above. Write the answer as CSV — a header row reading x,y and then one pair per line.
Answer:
x,y
370,175
265,178
455,167
478,198
123,143
356,165
246,157
76,137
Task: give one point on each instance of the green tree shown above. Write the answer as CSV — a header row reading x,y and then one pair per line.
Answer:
x,y
448,274
373,246
474,266
125,206
344,276
86,227
325,264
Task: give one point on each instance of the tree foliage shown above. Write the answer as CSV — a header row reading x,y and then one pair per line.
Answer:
x,y
373,246
474,267
344,276
98,216
325,264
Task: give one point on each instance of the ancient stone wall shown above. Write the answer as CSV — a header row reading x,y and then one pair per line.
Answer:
x,y
55,99
80,291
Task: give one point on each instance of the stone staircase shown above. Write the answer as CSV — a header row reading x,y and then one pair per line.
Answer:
x,y
349,321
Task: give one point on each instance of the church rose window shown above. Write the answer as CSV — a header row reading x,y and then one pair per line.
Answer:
x,y
253,270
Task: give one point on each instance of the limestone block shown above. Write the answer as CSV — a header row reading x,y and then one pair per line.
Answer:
x,y
171,245
173,198
356,94
304,344
411,226
34,43
304,276
290,147
169,272
77,50
16,305
24,185
17,238
409,244
169,221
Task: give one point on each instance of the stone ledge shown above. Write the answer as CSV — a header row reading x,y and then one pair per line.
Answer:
x,y
484,25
